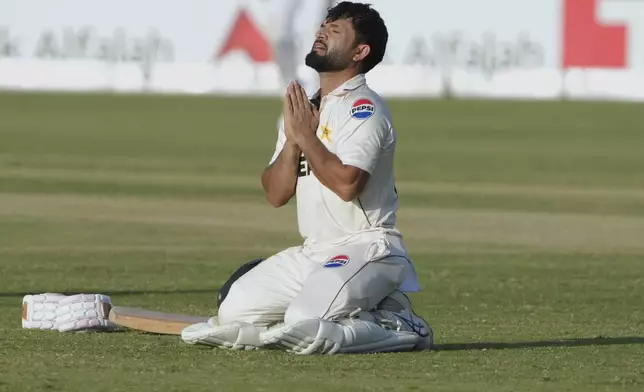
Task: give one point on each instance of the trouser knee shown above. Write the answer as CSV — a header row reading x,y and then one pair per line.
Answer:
x,y
229,309
237,307
296,313
306,308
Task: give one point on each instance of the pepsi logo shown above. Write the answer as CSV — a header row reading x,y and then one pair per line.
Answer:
x,y
362,109
337,261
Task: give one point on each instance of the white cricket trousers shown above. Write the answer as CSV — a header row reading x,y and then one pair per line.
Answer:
x,y
305,283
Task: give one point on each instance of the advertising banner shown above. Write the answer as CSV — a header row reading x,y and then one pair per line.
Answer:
x,y
536,49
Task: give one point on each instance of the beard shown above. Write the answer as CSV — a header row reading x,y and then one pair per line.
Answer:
x,y
327,62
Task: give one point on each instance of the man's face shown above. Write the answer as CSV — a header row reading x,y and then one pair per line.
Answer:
x,y
334,46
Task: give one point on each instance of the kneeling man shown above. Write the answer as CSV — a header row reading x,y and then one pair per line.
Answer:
x,y
342,290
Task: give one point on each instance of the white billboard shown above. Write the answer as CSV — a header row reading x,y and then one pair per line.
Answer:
x,y
491,48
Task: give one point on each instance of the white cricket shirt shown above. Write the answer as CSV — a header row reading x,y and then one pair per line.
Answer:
x,y
355,125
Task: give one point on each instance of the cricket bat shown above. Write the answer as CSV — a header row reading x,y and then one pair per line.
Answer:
x,y
152,321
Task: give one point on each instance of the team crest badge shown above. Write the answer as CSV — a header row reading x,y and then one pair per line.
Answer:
x,y
337,261
362,109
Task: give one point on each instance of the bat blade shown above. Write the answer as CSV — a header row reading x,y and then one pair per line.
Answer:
x,y
153,321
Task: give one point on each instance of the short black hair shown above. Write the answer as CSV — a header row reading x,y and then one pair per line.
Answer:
x,y
369,27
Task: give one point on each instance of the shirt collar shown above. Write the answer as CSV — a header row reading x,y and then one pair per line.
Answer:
x,y
349,85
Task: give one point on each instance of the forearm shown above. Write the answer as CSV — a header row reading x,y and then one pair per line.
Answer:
x,y
328,168
280,179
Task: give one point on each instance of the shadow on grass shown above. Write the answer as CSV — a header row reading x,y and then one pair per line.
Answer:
x,y
213,291
598,341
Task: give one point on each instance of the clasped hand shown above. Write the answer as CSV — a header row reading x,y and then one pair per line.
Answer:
x,y
301,117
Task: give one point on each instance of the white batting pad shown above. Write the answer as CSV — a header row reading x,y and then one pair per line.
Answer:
x,y
317,336
234,336
408,321
54,311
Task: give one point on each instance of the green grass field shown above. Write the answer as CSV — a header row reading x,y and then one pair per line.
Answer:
x,y
525,221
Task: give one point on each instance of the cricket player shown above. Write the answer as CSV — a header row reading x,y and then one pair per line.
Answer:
x,y
342,289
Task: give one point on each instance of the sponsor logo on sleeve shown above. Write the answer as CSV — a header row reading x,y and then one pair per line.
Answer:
x,y
362,109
